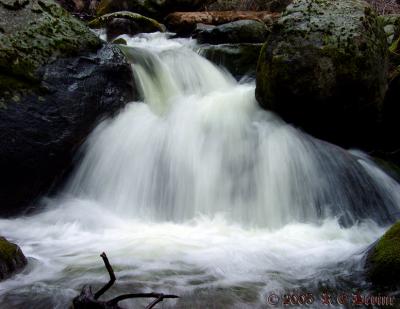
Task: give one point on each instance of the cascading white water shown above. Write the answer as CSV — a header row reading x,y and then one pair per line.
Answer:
x,y
199,192
200,145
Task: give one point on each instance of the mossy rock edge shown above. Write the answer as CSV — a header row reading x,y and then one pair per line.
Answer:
x,y
383,261
12,259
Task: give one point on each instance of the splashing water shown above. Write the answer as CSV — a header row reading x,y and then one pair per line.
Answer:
x,y
198,192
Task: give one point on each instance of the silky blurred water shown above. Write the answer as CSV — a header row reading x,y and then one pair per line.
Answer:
x,y
196,191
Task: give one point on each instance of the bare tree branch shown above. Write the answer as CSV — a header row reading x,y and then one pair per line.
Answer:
x,y
89,300
112,277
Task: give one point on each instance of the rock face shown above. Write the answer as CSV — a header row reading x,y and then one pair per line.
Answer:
x,y
12,259
383,260
241,31
126,23
57,81
185,23
238,59
324,68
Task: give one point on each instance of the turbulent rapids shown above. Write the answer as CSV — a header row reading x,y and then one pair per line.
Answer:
x,y
198,192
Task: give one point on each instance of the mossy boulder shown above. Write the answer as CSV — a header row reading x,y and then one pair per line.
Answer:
x,y
238,59
126,23
36,32
12,259
324,69
57,80
383,260
240,31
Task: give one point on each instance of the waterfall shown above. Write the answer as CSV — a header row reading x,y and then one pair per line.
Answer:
x,y
200,145
198,192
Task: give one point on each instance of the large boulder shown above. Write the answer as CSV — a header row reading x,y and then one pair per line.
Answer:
x,y
241,31
12,259
185,23
324,68
238,59
383,260
57,81
126,23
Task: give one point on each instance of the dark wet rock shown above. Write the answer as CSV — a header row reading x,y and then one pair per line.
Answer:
x,y
84,9
241,31
383,260
184,23
57,81
126,23
238,59
12,260
324,68
152,8
254,5
120,41
389,142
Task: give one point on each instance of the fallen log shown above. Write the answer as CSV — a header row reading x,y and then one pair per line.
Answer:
x,y
183,23
89,300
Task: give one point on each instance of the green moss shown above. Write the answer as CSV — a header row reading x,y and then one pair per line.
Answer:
x,y
327,41
8,251
394,48
143,21
385,258
37,33
120,41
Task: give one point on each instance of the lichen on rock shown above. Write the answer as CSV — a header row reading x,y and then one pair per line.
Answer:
x,y
324,68
36,33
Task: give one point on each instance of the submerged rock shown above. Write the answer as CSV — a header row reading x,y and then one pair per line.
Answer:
x,y
241,31
383,260
12,259
324,68
57,81
238,59
126,23
185,23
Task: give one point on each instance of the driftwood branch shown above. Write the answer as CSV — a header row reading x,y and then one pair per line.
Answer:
x,y
112,277
89,300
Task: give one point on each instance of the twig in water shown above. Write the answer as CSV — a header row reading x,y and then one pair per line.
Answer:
x,y
88,300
